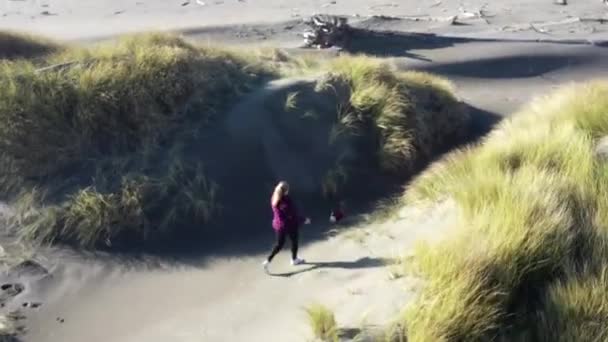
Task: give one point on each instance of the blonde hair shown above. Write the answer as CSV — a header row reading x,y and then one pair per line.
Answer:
x,y
278,193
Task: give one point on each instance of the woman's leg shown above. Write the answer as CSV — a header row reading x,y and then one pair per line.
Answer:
x,y
293,236
280,236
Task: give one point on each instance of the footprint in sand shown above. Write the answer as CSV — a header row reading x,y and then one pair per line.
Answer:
x,y
31,305
11,289
28,268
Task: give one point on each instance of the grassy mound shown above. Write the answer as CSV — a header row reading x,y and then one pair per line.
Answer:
x,y
529,261
17,45
100,139
115,144
402,118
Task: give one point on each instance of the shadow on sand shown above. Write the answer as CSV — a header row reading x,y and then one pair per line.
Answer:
x,y
361,263
537,62
482,122
509,67
398,44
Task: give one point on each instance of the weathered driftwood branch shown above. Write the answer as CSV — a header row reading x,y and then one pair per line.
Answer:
x,y
326,31
56,66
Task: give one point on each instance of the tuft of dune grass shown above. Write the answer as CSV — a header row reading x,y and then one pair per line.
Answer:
x,y
10,329
404,118
14,45
101,134
575,309
528,261
322,323
142,206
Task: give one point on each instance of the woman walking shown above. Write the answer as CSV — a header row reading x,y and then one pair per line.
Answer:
x,y
286,222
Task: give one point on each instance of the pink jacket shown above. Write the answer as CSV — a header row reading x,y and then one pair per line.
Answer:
x,y
285,215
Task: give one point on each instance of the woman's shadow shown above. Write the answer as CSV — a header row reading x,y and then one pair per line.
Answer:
x,y
365,262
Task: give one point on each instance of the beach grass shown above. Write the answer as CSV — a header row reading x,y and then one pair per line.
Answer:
x,y
98,135
531,244
404,117
322,323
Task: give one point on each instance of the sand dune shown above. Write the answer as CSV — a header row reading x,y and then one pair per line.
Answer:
x,y
113,298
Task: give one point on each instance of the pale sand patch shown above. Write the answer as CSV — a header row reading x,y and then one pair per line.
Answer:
x,y
72,19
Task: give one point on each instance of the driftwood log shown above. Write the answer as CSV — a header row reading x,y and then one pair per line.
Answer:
x,y
325,31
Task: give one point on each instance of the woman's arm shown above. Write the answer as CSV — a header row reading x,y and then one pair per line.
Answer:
x,y
294,213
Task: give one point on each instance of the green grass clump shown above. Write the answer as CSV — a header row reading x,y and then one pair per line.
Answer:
x,y
528,262
404,118
116,100
141,207
15,45
322,323
10,328
576,309
102,134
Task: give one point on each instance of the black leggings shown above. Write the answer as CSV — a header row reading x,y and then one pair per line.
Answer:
x,y
280,235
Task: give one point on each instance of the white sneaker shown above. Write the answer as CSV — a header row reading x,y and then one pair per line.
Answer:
x,y
297,261
265,264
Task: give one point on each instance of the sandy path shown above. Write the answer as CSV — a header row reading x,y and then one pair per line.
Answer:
x,y
234,300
